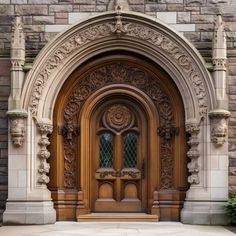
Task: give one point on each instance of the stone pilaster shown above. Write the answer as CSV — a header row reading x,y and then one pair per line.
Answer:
x,y
17,63
219,51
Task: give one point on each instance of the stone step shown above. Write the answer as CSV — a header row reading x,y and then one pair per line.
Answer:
x,y
130,217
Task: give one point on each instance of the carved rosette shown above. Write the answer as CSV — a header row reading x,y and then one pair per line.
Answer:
x,y
43,154
17,126
219,126
118,117
121,73
193,129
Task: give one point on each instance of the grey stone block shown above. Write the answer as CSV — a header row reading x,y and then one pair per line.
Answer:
x,y
43,19
183,17
195,2
31,9
60,8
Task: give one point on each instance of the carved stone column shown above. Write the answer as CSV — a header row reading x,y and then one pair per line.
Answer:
x,y
219,57
17,63
44,154
193,128
29,201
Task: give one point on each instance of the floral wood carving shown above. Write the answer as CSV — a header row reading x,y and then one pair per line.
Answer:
x,y
44,154
69,133
162,42
122,73
118,117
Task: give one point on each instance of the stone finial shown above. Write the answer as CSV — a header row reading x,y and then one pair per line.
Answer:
x,y
123,5
17,43
219,48
119,28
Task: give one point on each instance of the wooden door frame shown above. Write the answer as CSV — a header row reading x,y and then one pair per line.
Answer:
x,y
147,105
70,203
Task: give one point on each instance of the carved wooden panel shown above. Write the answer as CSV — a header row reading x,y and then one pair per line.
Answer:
x,y
122,73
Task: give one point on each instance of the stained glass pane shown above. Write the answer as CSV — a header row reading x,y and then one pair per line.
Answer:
x,y
130,150
106,150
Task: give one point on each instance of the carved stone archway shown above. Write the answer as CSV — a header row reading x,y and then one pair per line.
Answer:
x,y
131,32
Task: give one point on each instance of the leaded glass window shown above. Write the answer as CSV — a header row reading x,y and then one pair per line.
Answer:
x,y
106,150
130,150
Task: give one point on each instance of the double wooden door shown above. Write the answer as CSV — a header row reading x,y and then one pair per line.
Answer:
x,y
119,145
119,158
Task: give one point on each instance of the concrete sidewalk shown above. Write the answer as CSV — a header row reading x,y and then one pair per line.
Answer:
x,y
115,229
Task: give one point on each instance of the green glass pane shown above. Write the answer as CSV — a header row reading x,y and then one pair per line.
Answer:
x,y
130,150
106,150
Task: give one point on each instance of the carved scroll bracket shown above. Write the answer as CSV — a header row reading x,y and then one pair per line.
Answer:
x,y
193,129
43,169
219,126
17,126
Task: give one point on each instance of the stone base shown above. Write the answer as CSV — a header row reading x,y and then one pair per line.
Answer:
x,y
29,213
1,212
204,213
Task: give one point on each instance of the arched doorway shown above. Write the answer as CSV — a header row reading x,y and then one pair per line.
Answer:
x,y
42,94
119,145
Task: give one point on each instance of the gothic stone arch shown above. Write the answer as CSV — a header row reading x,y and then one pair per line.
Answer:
x,y
111,31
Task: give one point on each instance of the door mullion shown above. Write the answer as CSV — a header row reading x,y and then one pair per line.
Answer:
x,y
118,163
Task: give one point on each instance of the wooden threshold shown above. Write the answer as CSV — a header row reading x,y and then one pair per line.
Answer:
x,y
130,217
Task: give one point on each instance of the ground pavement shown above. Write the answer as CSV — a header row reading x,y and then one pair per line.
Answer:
x,y
115,229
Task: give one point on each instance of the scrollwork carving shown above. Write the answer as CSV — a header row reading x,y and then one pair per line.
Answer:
x,y
69,132
164,43
43,154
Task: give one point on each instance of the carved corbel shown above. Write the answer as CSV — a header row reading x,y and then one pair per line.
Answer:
x,y
44,129
17,126
219,126
168,131
192,128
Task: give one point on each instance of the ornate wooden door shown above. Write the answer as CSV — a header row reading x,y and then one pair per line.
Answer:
x,y
119,145
119,159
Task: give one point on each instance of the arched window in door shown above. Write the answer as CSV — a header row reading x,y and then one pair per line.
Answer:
x,y
106,150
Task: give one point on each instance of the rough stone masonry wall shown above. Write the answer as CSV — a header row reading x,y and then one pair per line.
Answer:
x,y
43,19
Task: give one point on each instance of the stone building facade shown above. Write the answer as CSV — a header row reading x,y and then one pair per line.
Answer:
x,y
212,51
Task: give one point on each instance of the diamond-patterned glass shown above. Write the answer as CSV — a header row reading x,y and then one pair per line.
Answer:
x,y
106,150
130,150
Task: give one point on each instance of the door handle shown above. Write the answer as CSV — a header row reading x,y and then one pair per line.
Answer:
x,y
143,170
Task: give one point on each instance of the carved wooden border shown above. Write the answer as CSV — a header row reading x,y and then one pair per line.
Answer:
x,y
119,73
